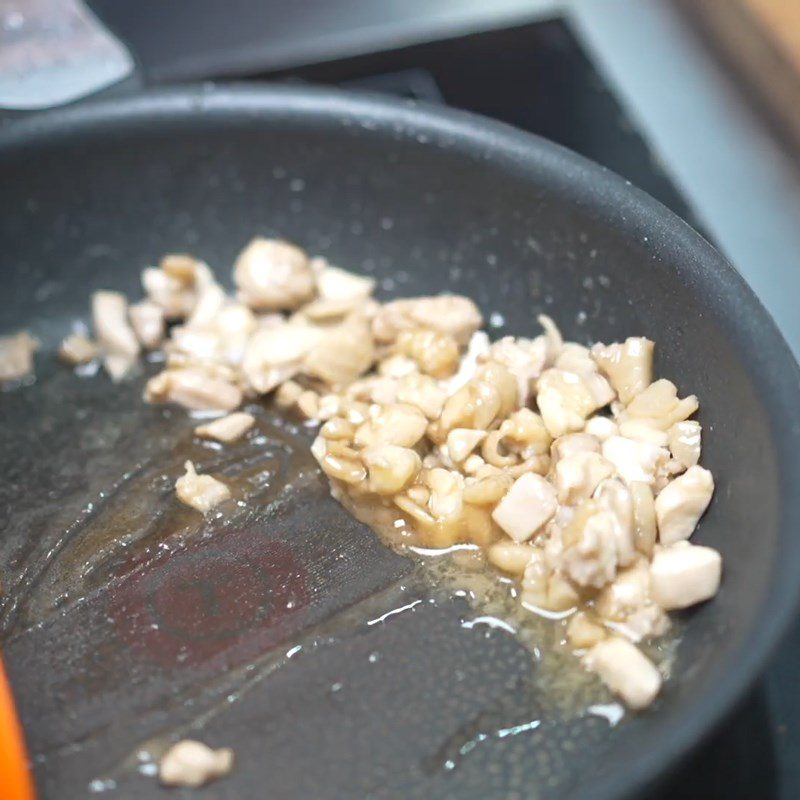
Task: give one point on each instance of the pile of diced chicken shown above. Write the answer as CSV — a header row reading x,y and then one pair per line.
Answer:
x,y
574,470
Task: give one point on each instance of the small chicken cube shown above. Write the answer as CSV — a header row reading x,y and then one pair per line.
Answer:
x,y
625,670
634,461
78,349
194,764
684,574
462,441
511,557
202,492
684,442
227,429
578,475
681,503
629,366
528,505
195,389
272,275
147,319
583,633
390,468
16,356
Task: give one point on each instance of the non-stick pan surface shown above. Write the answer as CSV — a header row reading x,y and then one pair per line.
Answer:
x,y
124,617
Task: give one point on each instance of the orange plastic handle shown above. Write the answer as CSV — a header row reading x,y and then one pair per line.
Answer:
x,y
16,782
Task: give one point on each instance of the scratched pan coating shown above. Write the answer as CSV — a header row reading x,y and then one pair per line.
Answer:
x,y
123,616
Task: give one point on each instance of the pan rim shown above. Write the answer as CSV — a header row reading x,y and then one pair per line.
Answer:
x,y
751,327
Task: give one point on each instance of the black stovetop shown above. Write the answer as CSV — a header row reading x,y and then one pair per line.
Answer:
x,y
537,76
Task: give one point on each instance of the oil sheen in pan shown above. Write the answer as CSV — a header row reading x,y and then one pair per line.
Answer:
x,y
135,520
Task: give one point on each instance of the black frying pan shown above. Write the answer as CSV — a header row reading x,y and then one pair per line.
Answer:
x,y
108,644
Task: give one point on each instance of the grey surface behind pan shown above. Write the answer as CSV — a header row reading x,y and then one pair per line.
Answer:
x,y
427,204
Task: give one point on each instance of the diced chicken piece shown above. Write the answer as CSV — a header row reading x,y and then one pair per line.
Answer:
x,y
684,442
477,349
629,366
423,392
583,633
528,505
578,475
684,574
227,429
452,314
571,443
435,353
339,292
16,356
525,432
391,468
552,336
274,355
641,430
114,333
194,764
194,389
201,492
399,424
625,670
109,315
660,406
589,556
78,349
511,557
273,275
447,491
644,517
462,441
634,461
147,319
210,301
627,603
398,366
176,283
342,353
524,358
681,503
566,399
601,428
615,497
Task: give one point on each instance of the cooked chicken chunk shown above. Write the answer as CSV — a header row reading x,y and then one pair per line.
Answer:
x,y
629,366
528,505
634,461
684,442
194,764
684,574
227,429
452,314
176,284
201,492
193,388
16,356
147,319
78,349
272,275
114,333
681,503
578,475
625,670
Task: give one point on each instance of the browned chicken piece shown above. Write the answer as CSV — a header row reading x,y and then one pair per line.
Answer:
x,y
16,356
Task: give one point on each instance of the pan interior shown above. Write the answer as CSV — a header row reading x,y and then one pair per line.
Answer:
x,y
123,618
